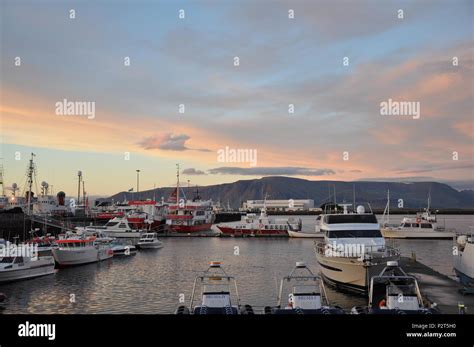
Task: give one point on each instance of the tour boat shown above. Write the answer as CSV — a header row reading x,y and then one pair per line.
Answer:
x,y
306,296
353,250
217,292
394,292
261,225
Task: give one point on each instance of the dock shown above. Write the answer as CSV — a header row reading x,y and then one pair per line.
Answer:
x,y
438,288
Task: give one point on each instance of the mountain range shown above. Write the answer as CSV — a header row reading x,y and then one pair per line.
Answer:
x,y
414,195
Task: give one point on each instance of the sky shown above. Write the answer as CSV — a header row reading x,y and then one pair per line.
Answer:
x,y
336,132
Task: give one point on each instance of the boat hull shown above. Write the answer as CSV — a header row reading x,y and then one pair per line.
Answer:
x,y
190,228
150,246
301,234
87,255
252,232
349,273
41,267
409,234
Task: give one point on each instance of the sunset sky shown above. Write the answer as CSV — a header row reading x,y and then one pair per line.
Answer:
x,y
190,61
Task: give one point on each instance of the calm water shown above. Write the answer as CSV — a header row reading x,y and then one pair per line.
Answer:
x,y
152,281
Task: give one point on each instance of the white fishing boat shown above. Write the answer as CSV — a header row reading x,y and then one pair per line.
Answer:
x,y
353,250
306,296
394,292
423,226
78,251
18,264
464,261
149,241
217,292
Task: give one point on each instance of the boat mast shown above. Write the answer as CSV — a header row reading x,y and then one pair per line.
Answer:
x,y
177,184
31,169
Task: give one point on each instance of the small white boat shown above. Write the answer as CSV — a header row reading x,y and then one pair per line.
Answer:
x,y
216,297
464,262
308,234
394,292
307,294
22,267
78,251
149,241
122,248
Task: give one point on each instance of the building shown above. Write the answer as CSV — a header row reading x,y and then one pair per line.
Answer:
x,y
279,205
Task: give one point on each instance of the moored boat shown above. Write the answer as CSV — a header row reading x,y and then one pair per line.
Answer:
x,y
78,251
306,296
353,250
464,261
149,241
189,216
22,262
423,226
394,292
261,225
218,289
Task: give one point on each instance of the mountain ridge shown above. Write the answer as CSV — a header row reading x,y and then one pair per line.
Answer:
x,y
414,194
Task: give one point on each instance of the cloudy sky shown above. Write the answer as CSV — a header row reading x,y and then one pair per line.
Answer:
x,y
336,132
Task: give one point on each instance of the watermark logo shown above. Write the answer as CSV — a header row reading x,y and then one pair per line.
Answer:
x,y
400,108
237,155
37,330
10,250
75,108
347,250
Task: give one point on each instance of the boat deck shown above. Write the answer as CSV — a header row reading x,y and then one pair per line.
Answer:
x,y
438,288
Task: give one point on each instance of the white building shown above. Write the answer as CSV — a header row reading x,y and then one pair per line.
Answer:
x,y
279,205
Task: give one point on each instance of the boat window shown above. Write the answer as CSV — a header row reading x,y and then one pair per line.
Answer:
x,y
18,260
415,225
354,233
425,226
350,218
111,224
406,225
122,226
6,260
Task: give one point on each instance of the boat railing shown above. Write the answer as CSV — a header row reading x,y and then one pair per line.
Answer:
x,y
351,250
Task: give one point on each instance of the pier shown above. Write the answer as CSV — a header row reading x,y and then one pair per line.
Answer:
x,y
438,288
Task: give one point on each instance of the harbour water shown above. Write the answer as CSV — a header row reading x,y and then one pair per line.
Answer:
x,y
152,281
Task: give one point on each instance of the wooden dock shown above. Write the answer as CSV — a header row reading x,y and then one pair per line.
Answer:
x,y
438,288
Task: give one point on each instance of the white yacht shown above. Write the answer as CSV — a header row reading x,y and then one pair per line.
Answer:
x,y
148,241
117,227
464,261
78,251
306,296
353,250
395,292
217,291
